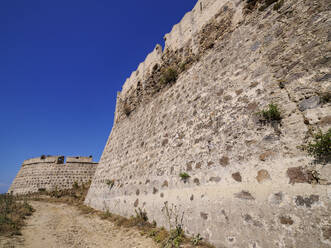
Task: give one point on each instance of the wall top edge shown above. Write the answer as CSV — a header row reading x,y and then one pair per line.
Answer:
x,y
59,160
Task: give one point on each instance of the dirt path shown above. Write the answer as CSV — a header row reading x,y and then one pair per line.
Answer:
x,y
60,225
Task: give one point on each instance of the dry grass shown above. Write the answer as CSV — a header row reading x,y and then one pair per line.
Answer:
x,y
13,211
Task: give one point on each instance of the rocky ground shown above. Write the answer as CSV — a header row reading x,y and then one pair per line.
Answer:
x,y
60,225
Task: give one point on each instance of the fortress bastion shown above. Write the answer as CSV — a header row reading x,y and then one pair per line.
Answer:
x,y
52,172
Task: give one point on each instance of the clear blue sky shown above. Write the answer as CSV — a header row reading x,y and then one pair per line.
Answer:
x,y
61,64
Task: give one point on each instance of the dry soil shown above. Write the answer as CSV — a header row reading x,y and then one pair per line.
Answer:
x,y
62,226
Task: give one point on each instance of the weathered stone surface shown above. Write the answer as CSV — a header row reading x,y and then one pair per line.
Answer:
x,y
236,176
136,203
224,161
50,173
276,198
326,121
262,175
286,220
196,181
249,219
204,216
215,179
306,201
165,184
208,117
327,233
264,156
245,195
309,103
299,175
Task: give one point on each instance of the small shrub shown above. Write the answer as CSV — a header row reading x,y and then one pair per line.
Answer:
x,y
279,4
75,185
186,63
175,238
106,215
175,222
326,97
159,236
110,183
266,4
55,193
177,235
182,66
320,148
196,239
169,75
270,114
12,214
184,176
141,214
76,195
126,109
250,5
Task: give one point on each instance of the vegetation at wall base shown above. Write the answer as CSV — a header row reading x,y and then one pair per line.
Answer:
x,y
160,235
13,211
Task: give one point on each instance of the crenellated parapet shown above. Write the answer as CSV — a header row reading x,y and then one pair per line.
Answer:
x,y
143,70
188,40
79,159
44,159
191,23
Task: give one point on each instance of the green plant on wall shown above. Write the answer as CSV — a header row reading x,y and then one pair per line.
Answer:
x,y
271,113
184,176
169,75
110,183
278,5
320,147
126,108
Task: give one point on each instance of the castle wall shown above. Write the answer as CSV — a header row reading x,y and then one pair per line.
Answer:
x,y
192,22
43,159
143,70
180,35
51,173
79,159
250,184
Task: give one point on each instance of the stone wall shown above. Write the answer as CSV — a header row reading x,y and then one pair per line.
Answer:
x,y
50,173
183,35
251,184
192,22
